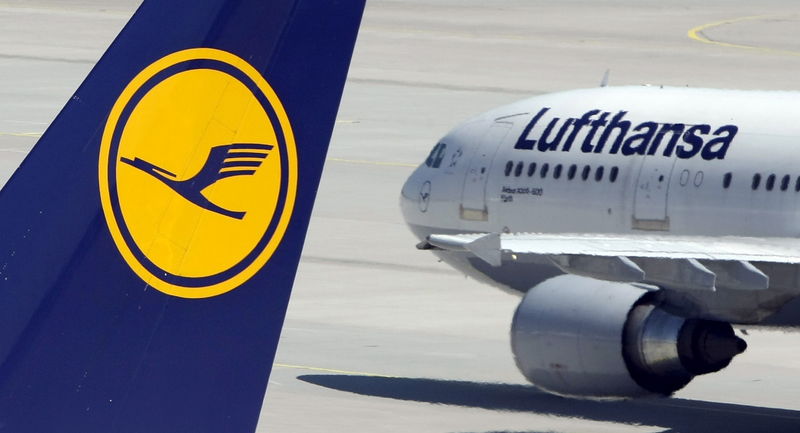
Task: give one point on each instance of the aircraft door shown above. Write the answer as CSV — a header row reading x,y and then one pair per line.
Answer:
x,y
652,191
473,195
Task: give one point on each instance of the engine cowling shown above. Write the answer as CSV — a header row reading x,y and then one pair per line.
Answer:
x,y
583,337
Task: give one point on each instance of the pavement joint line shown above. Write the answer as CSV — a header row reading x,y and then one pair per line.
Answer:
x,y
21,134
330,370
697,34
360,161
342,160
25,122
62,11
444,33
726,410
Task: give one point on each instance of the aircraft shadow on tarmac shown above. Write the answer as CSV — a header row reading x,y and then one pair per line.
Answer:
x,y
675,415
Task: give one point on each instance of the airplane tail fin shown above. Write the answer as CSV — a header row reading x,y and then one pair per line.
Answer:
x,y
150,298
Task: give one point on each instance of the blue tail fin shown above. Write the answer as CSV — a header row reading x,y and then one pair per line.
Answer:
x,y
149,241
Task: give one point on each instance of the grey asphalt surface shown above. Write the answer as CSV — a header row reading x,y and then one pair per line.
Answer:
x,y
381,337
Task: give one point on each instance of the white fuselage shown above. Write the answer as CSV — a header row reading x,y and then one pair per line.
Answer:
x,y
675,161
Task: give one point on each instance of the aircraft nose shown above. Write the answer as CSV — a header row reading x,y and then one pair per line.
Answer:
x,y
407,193
415,197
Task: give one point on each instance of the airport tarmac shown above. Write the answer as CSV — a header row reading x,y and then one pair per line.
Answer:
x,y
380,337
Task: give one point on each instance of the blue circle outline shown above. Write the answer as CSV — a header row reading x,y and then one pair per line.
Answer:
x,y
130,107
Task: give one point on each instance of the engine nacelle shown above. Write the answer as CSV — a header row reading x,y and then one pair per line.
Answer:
x,y
583,337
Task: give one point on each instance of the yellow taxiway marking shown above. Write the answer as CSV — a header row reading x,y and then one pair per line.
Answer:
x,y
329,370
697,34
342,160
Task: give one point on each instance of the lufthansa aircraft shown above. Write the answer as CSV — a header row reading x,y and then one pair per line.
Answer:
x,y
150,239
638,223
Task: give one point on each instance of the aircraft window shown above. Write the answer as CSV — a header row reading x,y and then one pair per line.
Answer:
x,y
509,167
437,161
756,181
518,170
785,183
797,184
598,175
770,182
698,178
531,169
429,159
434,159
726,180
557,171
586,170
543,171
684,177
612,176
573,168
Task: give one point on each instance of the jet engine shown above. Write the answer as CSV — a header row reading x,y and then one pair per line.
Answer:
x,y
588,338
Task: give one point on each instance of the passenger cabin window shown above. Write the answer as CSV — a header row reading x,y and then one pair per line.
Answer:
x,y
574,168
518,170
785,182
436,156
612,176
726,180
598,175
698,179
557,171
544,170
586,170
531,169
770,182
509,167
684,178
797,184
756,181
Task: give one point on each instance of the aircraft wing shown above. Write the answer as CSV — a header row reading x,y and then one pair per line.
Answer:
x,y
676,261
780,250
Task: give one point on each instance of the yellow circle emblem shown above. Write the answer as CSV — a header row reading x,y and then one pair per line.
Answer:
x,y
198,173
